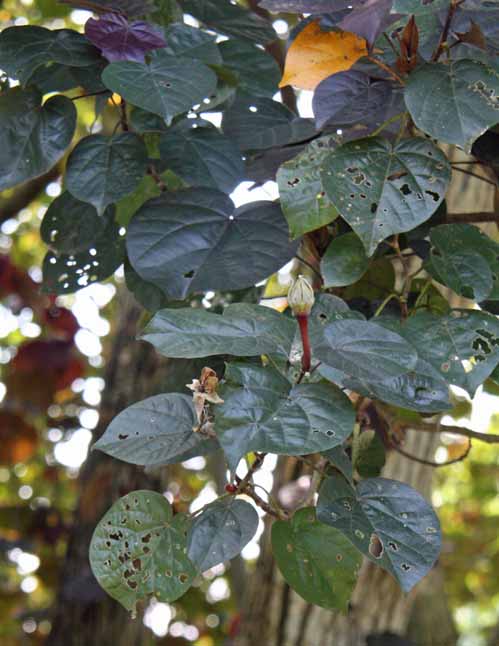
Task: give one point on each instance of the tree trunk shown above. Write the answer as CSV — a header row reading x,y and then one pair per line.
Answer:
x,y
84,613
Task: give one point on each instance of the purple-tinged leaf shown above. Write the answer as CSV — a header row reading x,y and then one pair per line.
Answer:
x,y
370,20
348,98
120,40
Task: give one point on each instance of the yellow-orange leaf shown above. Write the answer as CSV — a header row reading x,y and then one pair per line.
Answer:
x,y
315,54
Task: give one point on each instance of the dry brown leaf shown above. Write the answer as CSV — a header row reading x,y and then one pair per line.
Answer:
x,y
315,54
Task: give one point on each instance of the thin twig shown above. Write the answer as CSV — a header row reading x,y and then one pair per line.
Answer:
x,y
84,96
445,32
123,116
310,266
386,68
482,216
489,438
431,463
380,128
157,178
469,172
257,463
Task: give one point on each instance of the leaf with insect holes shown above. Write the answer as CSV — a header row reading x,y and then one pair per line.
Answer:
x,y
317,561
466,260
193,240
70,226
263,411
101,170
381,188
445,342
388,521
120,40
67,272
454,102
242,330
34,136
315,54
139,549
303,201
220,532
166,85
157,430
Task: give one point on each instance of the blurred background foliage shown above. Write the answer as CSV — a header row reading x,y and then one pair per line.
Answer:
x,y
52,353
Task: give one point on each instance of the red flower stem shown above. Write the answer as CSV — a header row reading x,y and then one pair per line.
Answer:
x,y
307,355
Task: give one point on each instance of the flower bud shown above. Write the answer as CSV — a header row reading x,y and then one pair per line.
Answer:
x,y
301,297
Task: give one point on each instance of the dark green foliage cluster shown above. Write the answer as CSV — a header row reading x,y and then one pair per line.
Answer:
x,y
362,189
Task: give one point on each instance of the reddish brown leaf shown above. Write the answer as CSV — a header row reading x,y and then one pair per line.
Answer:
x,y
18,439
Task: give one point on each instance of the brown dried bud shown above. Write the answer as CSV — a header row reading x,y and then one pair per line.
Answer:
x,y
301,297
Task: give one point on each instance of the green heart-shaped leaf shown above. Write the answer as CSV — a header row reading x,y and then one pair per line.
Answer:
x,y
344,262
195,240
220,532
243,330
316,560
263,411
381,189
388,521
139,549
454,102
101,170
158,430
34,137
166,86
304,203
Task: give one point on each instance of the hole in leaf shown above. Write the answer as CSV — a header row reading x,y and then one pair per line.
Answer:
x,y
433,195
189,274
374,206
405,190
376,548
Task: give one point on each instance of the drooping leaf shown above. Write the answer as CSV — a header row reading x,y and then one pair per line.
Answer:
x,y
380,188
165,86
65,273
388,521
138,549
230,19
263,411
349,97
24,49
305,205
157,430
454,102
363,349
184,41
220,532
120,40
202,157
370,20
34,136
256,123
194,240
466,260
243,330
257,72
315,54
315,559
446,341
70,226
101,170
344,262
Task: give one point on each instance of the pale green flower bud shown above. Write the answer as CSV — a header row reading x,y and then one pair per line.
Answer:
x,y
301,297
